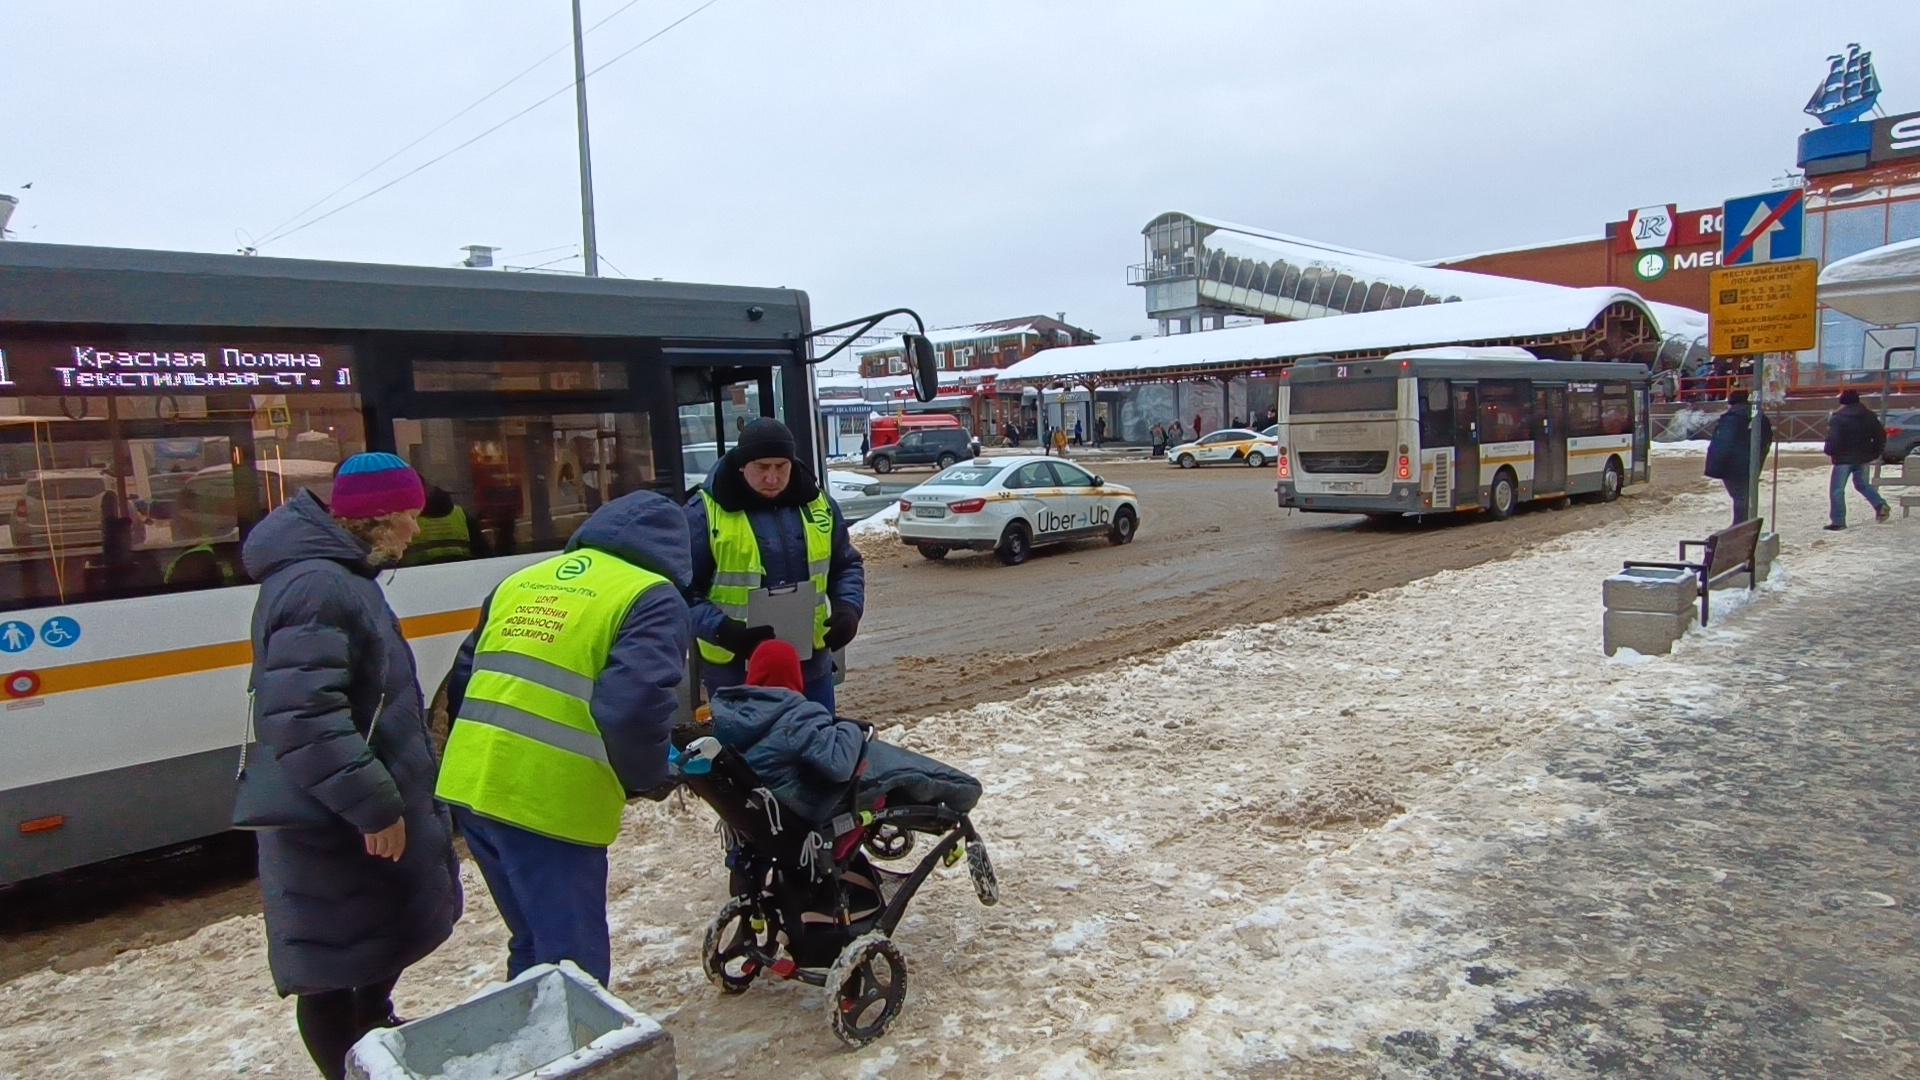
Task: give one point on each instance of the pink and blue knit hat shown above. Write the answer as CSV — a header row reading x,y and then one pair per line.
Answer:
x,y
375,485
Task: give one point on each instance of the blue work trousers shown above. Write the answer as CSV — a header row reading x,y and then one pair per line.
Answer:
x,y
551,893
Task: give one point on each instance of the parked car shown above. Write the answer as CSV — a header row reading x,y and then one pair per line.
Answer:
x,y
1903,436
934,447
859,497
1009,505
1228,446
60,505
206,509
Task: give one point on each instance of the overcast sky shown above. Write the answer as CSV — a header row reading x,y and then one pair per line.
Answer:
x,y
974,160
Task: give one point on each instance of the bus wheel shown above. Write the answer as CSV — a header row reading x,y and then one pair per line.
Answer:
x,y
1612,481
1505,493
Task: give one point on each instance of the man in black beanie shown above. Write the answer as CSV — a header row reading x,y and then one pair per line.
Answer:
x,y
762,520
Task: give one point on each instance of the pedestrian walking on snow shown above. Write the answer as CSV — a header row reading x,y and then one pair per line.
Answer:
x,y
1730,452
1855,440
352,903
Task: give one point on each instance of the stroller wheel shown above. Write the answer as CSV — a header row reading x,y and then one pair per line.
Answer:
x,y
725,956
889,842
868,984
985,885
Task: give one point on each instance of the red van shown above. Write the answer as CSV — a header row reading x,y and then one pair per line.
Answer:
x,y
886,430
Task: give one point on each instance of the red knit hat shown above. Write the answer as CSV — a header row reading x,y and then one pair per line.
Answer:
x,y
776,663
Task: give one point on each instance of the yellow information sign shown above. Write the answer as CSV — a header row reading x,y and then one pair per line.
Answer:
x,y
1769,307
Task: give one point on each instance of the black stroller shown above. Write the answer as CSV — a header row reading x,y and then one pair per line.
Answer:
x,y
808,902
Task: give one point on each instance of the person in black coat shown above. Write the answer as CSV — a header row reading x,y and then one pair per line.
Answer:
x,y
1730,450
1855,440
351,905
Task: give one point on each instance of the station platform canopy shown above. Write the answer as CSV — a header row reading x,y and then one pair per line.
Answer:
x,y
1880,286
1550,321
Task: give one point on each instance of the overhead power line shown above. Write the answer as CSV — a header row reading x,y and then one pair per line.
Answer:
x,y
281,232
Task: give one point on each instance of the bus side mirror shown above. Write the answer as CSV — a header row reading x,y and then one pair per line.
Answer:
x,y
926,368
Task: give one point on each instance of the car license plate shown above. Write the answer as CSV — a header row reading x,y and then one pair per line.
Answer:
x,y
1343,485
929,511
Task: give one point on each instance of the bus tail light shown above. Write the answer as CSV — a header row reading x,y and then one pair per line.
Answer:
x,y
42,824
1406,465
968,506
1286,463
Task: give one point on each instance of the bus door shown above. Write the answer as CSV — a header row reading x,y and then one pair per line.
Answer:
x,y
1466,445
715,405
1549,440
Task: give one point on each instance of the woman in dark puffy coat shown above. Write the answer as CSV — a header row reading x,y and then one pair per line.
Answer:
x,y
351,905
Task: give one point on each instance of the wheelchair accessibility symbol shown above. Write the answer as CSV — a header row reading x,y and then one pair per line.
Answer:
x,y
60,631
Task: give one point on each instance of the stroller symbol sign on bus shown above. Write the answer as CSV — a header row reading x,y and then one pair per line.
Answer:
x,y
1763,228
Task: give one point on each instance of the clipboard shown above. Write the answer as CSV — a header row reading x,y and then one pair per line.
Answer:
x,y
788,609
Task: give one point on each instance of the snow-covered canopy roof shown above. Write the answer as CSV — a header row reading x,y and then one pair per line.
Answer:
x,y
1554,311
1263,245
1880,286
955,335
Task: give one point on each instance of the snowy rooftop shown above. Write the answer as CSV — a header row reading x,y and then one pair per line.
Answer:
x,y
1881,286
1264,246
1556,310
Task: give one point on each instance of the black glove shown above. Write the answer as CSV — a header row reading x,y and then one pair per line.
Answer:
x,y
842,626
740,639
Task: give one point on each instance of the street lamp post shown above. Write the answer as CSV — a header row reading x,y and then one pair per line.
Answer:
x,y
591,250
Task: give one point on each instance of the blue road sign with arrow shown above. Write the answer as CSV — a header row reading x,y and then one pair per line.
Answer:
x,y
1763,228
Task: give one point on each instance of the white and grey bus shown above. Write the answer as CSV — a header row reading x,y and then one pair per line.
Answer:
x,y
155,406
1458,429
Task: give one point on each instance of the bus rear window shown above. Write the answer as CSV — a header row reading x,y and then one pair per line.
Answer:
x,y
1359,395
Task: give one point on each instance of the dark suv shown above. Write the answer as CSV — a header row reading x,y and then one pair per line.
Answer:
x,y
937,447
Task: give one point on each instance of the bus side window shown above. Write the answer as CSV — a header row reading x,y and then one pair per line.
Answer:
x,y
1583,410
1436,414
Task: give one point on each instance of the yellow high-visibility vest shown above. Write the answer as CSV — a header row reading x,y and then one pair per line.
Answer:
x,y
737,569
441,539
525,748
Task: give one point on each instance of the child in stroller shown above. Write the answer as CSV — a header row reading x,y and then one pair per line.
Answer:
x,y
808,804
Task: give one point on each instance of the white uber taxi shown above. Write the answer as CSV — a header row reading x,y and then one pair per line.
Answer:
x,y
1228,446
1008,505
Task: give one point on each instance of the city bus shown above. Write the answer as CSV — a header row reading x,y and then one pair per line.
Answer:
x,y
154,406
1458,429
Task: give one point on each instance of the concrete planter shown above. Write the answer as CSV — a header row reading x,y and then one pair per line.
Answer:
x,y
1648,609
553,1021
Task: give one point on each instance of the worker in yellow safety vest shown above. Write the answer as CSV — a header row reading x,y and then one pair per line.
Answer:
x,y
562,701
762,520
446,533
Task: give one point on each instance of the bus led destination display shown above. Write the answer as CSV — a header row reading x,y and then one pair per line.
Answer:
x,y
49,368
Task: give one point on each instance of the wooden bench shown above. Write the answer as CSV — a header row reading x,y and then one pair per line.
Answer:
x,y
1724,556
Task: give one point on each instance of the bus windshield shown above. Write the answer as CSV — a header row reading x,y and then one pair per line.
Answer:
x,y
1358,395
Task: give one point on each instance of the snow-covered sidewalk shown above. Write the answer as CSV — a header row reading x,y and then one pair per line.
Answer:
x,y
1220,858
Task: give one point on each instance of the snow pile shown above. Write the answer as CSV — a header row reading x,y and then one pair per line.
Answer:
x,y
884,523
1698,447
1233,854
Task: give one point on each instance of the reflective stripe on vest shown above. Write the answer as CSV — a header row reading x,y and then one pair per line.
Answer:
x,y
525,748
737,569
441,539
